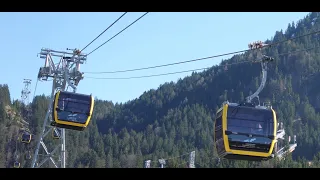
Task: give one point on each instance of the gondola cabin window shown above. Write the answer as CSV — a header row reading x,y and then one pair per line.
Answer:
x,y
219,133
250,129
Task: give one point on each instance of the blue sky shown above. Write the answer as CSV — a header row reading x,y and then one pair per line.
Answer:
x,y
158,38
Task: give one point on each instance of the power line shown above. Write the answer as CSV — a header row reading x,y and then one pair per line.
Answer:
x,y
138,77
178,72
199,59
105,30
35,89
119,33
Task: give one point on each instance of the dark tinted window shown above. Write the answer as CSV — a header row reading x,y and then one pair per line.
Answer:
x,y
76,96
250,121
218,120
244,143
72,102
246,139
218,128
25,137
73,106
72,117
219,133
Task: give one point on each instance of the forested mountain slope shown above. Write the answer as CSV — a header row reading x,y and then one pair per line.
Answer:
x,y
177,118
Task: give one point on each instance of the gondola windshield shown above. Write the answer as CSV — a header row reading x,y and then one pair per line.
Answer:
x,y
74,108
250,129
25,137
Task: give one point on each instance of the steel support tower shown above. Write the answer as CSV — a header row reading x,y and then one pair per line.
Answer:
x,y
63,73
25,92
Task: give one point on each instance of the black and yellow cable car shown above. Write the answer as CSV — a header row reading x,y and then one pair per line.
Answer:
x,y
72,110
16,164
245,133
26,137
56,132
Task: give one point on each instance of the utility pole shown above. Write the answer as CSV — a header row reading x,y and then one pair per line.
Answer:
x,y
162,162
63,73
147,164
192,159
25,91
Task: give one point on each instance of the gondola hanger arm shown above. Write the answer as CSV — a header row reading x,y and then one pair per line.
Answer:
x,y
264,62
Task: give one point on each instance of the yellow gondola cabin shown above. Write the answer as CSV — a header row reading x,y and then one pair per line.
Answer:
x,y
26,137
244,132
72,110
56,133
16,164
